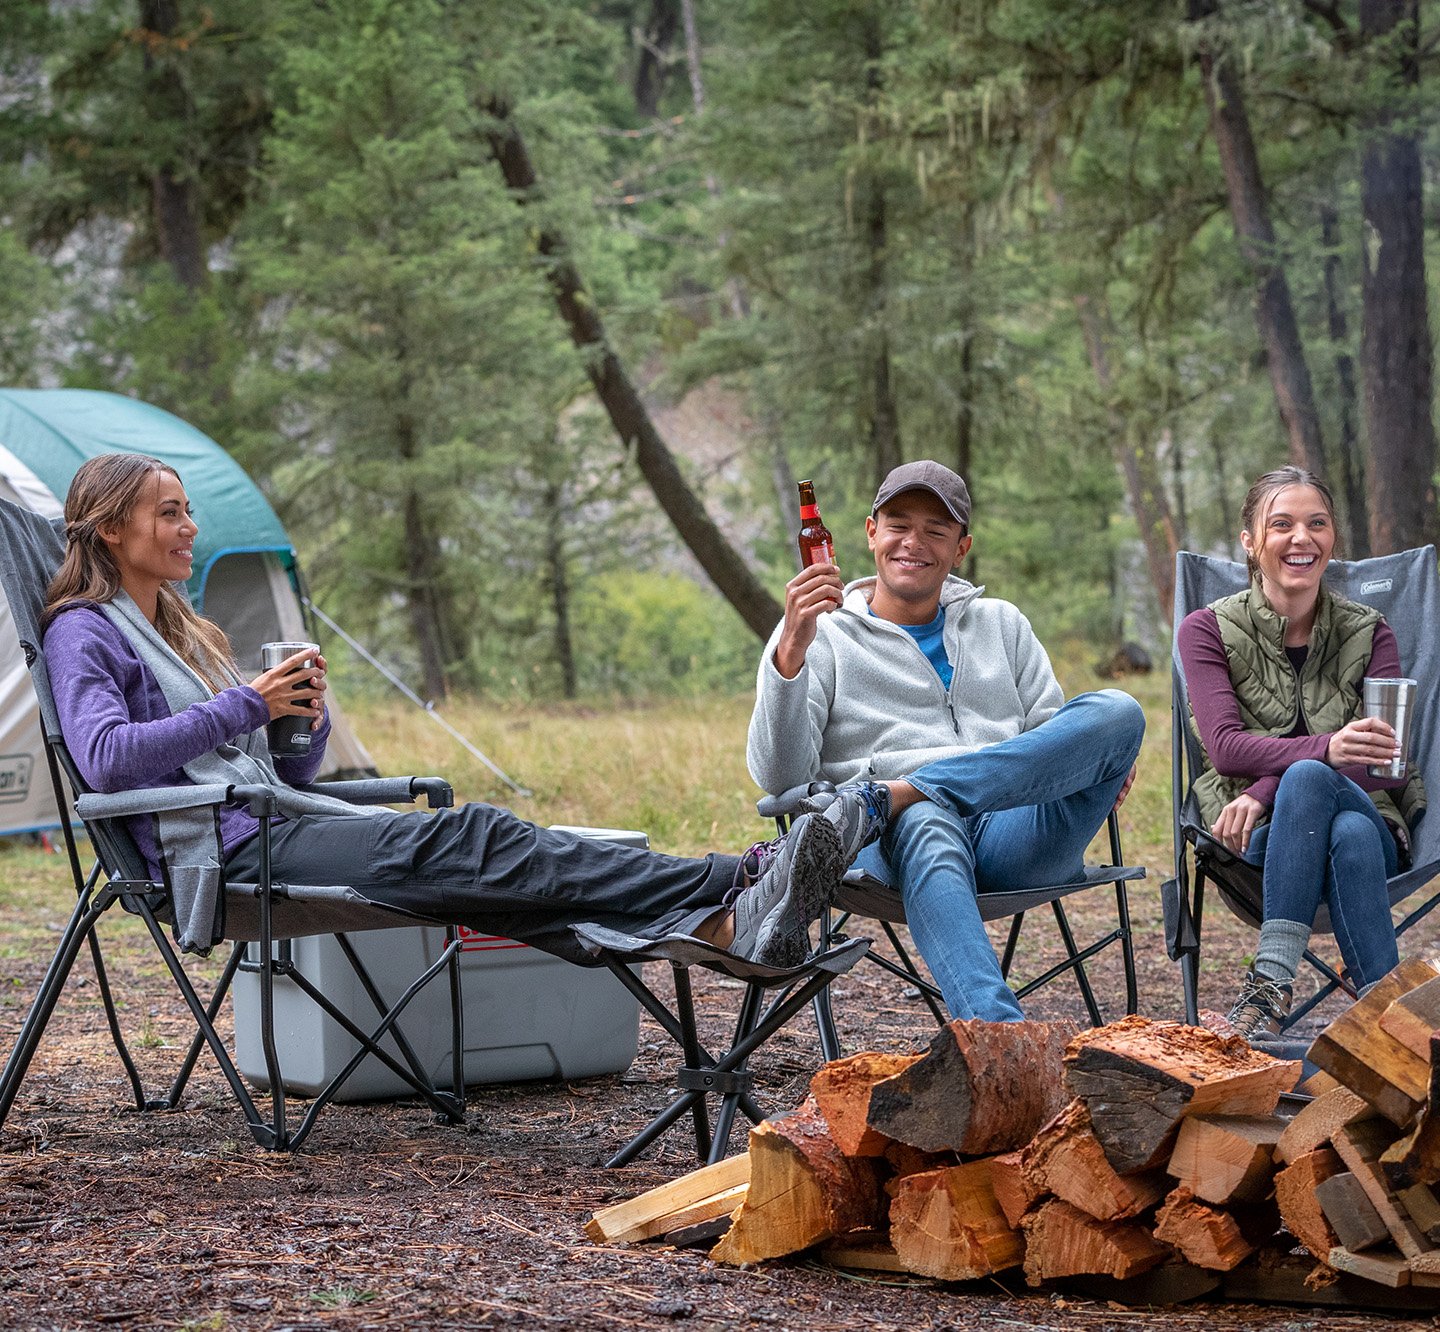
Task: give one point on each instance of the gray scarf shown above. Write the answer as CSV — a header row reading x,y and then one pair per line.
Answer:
x,y
189,838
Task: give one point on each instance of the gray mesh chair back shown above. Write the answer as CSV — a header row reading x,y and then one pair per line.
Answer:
x,y
1405,588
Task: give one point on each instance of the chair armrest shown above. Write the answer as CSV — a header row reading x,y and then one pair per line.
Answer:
x,y
150,800
387,790
788,802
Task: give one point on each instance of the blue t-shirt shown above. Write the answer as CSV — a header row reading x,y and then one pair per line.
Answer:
x,y
930,639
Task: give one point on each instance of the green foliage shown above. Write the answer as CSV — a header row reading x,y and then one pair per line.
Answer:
x,y
655,633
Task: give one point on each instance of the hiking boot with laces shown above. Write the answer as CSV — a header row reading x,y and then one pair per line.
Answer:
x,y
800,875
1261,1008
859,811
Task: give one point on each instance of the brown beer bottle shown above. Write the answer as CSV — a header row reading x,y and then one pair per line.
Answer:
x,y
817,546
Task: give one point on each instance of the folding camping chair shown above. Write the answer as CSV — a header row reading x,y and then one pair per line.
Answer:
x,y
260,918
1405,588
862,894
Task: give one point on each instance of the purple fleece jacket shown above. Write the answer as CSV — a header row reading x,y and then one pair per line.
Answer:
x,y
122,734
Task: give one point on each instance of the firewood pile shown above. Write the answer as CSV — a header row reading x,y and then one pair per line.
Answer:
x,y
1138,1153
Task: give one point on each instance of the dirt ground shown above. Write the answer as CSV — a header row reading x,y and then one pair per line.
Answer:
x,y
176,1220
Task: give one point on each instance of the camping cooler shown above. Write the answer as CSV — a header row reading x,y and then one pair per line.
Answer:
x,y
527,1014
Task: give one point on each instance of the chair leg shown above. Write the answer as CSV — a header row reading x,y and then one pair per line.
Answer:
x,y
77,931
690,1044
824,1011
1081,979
907,970
197,1042
730,1101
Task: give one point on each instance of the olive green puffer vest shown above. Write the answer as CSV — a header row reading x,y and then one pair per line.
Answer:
x,y
1271,696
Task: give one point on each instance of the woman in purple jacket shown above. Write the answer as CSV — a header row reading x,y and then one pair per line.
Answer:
x,y
116,604
1274,676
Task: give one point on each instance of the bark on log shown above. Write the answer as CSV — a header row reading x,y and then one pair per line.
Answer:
x,y
1206,1236
1065,1159
1223,1159
1139,1078
842,1090
1061,1241
1367,1059
947,1224
1299,1209
982,1088
803,1189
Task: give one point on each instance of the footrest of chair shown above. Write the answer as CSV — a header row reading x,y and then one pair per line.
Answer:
x,y
737,1083
685,951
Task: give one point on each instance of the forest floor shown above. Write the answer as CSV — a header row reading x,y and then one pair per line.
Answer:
x,y
387,1220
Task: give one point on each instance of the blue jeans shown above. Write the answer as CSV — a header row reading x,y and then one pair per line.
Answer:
x,y
1326,843
1018,814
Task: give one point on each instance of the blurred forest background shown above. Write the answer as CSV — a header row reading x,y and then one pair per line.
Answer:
x,y
528,315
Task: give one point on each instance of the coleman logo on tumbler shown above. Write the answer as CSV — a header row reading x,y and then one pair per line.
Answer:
x,y
288,737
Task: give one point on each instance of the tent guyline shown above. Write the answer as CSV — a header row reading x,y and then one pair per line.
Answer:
x,y
427,707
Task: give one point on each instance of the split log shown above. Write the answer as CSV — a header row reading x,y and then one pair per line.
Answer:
x,y
1221,1159
1206,1236
1315,1124
1370,1061
981,1088
720,1186
1014,1190
842,1090
1384,1269
1350,1213
803,1189
1299,1209
1414,1017
864,1251
904,1159
1420,1202
1317,1084
1066,1159
1359,1146
1139,1078
947,1224
1061,1241
1415,1159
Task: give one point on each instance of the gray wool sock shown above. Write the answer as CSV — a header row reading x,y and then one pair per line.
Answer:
x,y
1282,944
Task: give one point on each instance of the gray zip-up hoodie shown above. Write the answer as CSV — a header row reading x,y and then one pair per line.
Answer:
x,y
867,702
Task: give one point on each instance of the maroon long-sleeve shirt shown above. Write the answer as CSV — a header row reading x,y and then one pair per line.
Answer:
x,y
1236,752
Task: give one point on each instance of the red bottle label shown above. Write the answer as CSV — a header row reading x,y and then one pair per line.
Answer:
x,y
824,553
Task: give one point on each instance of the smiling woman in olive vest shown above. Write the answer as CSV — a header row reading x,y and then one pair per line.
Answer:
x,y
1274,675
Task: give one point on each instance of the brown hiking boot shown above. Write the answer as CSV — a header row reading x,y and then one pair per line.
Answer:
x,y
1261,1008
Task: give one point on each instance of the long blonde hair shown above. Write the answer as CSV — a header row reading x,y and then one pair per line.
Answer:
x,y
105,494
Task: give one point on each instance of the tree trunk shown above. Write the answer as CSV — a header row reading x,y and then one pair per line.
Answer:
x,y
1395,352
1352,476
1137,463
650,64
558,576
884,415
720,560
172,185
1274,312
422,565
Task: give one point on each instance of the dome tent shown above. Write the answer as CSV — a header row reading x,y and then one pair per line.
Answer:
x,y
245,575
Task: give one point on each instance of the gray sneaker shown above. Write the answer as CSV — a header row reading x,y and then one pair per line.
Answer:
x,y
859,811
772,917
1261,1008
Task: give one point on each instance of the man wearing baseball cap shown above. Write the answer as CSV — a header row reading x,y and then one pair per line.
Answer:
x,y
959,767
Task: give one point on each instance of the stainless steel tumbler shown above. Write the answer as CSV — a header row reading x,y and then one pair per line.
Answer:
x,y
287,737
1392,701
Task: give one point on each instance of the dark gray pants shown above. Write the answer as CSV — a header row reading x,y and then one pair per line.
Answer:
x,y
482,867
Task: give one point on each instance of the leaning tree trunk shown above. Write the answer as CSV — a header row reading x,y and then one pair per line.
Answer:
x,y
1395,353
1352,475
1274,311
720,560
174,197
1137,463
